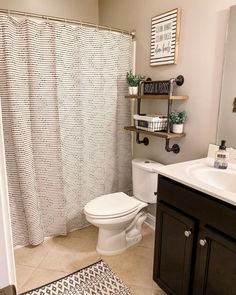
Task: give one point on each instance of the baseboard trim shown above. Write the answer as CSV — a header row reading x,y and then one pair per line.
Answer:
x,y
151,221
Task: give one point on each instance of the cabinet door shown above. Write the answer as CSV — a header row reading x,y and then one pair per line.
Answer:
x,y
216,265
173,250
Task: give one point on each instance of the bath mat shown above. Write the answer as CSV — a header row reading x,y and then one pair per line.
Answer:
x,y
96,279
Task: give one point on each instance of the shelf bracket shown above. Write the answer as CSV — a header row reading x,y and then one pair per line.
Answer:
x,y
145,141
175,148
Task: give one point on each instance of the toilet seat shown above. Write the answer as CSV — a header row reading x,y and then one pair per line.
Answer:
x,y
112,206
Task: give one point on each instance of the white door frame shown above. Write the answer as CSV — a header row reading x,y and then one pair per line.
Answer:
x,y
7,265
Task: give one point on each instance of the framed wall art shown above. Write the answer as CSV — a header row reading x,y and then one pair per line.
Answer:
x,y
165,38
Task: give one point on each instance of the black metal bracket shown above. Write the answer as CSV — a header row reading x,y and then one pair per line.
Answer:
x,y
175,148
139,106
178,81
145,141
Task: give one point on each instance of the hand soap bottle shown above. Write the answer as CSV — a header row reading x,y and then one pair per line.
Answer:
x,y
222,156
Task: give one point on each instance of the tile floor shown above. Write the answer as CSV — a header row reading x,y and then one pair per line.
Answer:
x,y
57,257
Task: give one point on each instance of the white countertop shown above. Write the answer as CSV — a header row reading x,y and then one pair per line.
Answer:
x,y
183,173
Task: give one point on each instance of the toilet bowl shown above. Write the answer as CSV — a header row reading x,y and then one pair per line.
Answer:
x,y
113,215
120,217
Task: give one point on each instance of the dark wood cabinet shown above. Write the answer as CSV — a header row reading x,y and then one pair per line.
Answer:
x,y
216,265
174,246
195,243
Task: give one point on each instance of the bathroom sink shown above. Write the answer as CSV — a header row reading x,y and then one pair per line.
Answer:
x,y
201,175
220,179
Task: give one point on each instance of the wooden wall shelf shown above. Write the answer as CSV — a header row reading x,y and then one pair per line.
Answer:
x,y
157,134
169,97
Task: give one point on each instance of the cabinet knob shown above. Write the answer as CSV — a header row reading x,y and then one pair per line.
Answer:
x,y
187,233
203,242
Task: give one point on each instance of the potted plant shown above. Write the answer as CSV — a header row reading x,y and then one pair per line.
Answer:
x,y
177,119
133,82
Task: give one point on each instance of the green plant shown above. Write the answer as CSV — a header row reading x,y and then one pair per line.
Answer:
x,y
132,79
178,117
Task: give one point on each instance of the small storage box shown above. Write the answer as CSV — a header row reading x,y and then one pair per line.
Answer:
x,y
151,122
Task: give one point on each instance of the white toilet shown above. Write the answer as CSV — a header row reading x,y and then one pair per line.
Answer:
x,y
120,217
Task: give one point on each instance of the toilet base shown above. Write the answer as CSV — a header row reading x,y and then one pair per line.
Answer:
x,y
115,241
110,253
132,242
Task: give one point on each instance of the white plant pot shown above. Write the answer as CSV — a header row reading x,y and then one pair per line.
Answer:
x,y
133,90
178,128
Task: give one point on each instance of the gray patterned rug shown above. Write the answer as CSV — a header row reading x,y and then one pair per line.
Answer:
x,y
96,279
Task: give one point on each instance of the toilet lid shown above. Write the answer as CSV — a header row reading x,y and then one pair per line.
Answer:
x,y
112,205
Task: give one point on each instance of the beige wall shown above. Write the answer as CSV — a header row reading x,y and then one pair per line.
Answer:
x,y
83,10
203,29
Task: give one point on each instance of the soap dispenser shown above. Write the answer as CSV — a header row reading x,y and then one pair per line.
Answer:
x,y
222,156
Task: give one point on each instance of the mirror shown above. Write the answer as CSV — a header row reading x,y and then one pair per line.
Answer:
x,y
227,113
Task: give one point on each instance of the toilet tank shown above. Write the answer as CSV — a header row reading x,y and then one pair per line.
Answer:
x,y
145,179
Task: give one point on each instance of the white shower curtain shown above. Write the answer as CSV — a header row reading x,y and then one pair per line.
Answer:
x,y
62,92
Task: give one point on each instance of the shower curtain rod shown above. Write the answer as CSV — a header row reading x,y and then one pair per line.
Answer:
x,y
65,20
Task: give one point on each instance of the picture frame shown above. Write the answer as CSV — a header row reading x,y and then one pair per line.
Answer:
x,y
165,33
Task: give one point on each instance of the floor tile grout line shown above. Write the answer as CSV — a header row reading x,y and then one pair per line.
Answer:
x,y
22,287
35,266
45,256
59,270
22,264
48,270
33,269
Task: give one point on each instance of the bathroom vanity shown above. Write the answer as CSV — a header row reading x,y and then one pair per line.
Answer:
x,y
195,244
